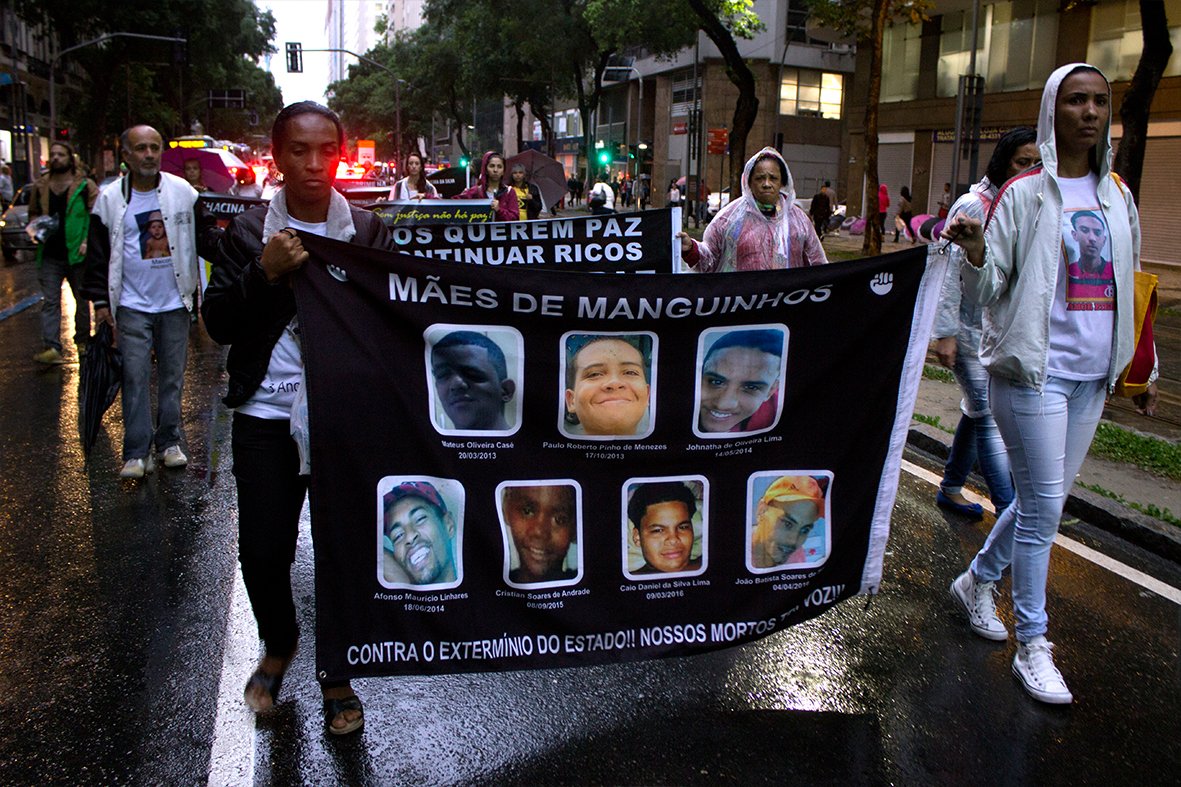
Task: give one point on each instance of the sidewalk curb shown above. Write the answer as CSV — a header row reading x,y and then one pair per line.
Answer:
x,y
1104,513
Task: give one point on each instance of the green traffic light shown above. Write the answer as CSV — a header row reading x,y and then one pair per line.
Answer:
x,y
605,157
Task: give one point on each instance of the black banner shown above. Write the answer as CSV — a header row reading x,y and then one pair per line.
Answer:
x,y
558,469
404,213
225,207
641,242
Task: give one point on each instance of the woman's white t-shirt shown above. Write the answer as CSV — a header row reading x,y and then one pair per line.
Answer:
x,y
1082,319
276,393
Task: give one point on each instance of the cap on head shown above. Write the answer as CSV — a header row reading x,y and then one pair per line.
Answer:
x,y
792,488
420,489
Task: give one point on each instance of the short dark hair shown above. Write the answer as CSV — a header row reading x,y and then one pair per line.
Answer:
x,y
125,137
763,340
1085,214
292,111
469,338
577,344
1007,147
647,495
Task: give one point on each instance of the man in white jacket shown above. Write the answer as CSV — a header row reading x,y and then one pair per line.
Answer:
x,y
145,294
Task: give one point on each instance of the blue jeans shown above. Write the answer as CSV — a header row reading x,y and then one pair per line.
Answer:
x,y
50,276
976,436
1048,435
139,334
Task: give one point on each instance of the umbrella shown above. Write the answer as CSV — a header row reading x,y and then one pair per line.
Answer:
x,y
218,166
542,171
682,184
102,375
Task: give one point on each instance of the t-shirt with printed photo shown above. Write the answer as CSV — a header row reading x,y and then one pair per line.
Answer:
x,y
149,280
1081,320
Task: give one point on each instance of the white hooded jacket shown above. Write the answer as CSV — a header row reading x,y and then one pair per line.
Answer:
x,y
1023,242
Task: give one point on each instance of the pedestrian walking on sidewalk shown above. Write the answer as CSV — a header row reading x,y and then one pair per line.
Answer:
x,y
250,306
68,195
958,331
141,273
1055,341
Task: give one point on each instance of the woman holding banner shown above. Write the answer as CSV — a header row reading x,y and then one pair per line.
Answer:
x,y
250,305
1054,344
414,185
491,184
764,230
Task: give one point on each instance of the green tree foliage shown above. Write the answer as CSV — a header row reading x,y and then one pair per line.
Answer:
x,y
134,80
866,20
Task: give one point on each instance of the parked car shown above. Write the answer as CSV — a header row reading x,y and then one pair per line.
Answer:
x,y
13,237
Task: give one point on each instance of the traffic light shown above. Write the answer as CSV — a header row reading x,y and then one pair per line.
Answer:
x,y
605,157
294,57
463,162
63,134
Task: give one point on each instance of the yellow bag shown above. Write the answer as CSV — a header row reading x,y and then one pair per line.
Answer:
x,y
1134,379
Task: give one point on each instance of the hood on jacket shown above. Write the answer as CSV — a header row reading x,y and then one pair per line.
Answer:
x,y
788,190
482,180
1046,142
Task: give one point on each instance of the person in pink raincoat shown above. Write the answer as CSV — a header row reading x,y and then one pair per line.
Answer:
x,y
762,231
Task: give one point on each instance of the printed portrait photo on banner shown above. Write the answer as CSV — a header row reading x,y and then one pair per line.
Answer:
x,y
740,373
608,385
788,516
419,532
665,527
474,378
541,525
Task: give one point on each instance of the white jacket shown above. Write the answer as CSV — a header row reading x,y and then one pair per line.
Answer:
x,y
1023,242
177,199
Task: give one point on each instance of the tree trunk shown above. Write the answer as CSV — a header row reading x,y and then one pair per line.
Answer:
x,y
1133,110
873,230
747,107
519,106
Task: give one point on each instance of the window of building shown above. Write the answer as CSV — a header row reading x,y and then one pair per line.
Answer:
x,y
797,23
1117,38
808,93
900,62
684,99
1016,45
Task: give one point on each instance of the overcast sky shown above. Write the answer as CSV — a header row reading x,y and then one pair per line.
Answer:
x,y
302,21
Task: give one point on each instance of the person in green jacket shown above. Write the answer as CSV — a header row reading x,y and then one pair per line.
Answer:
x,y
63,192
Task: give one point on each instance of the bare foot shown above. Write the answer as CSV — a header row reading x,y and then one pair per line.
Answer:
x,y
345,717
263,687
958,499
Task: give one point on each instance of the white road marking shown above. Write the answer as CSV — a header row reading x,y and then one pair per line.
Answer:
x,y
1098,558
231,761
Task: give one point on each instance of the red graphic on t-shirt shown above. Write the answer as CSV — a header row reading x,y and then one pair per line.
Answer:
x,y
1090,279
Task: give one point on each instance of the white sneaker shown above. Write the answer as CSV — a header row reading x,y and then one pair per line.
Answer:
x,y
976,599
137,468
1034,667
174,457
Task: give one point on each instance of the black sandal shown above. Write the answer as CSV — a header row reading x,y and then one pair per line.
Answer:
x,y
269,683
335,707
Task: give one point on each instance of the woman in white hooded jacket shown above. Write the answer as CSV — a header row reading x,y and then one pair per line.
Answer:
x,y
1052,267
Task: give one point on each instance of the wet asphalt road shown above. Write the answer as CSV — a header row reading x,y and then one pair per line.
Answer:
x,y
113,630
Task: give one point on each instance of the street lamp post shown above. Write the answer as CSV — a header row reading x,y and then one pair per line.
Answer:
x,y
397,94
53,69
639,115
